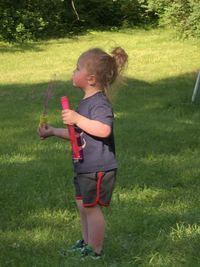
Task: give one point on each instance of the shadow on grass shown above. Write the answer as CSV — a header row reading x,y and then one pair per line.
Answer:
x,y
8,48
158,150
32,46
36,46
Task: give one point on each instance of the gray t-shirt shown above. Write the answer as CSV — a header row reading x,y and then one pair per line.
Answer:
x,y
98,153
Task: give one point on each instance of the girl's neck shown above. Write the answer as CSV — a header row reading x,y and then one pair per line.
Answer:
x,y
91,91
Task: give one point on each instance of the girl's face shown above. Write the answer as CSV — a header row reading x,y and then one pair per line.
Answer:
x,y
80,76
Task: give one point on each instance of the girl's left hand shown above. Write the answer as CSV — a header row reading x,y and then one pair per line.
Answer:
x,y
70,117
45,131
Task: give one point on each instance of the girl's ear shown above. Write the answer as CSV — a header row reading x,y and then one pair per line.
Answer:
x,y
91,80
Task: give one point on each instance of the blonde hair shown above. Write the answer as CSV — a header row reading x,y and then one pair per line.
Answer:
x,y
106,67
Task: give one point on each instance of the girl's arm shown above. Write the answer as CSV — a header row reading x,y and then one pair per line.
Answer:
x,y
93,127
47,131
61,133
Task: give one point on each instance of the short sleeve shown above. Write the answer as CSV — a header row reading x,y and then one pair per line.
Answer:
x,y
102,112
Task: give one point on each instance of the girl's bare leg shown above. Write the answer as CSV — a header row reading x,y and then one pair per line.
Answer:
x,y
96,227
92,225
83,220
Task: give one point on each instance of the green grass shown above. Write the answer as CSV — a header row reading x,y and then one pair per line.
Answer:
x,y
154,219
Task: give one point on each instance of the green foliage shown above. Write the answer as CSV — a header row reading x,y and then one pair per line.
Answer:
x,y
32,20
117,13
183,15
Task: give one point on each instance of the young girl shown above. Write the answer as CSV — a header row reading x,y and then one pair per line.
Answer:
x,y
95,174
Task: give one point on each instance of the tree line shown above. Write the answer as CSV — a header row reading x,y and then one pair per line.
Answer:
x,y
24,20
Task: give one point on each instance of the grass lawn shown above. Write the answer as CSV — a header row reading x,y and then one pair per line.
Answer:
x,y
154,218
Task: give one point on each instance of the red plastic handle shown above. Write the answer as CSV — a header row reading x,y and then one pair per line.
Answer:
x,y
65,102
71,130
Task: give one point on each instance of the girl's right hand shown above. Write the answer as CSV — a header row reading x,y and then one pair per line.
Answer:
x,y
45,131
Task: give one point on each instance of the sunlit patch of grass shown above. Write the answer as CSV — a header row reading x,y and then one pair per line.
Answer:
x,y
137,194
16,158
182,231
57,218
119,115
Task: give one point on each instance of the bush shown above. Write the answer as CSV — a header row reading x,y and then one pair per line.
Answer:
x,y
33,19
183,15
30,20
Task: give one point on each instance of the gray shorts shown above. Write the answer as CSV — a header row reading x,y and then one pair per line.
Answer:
x,y
95,188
